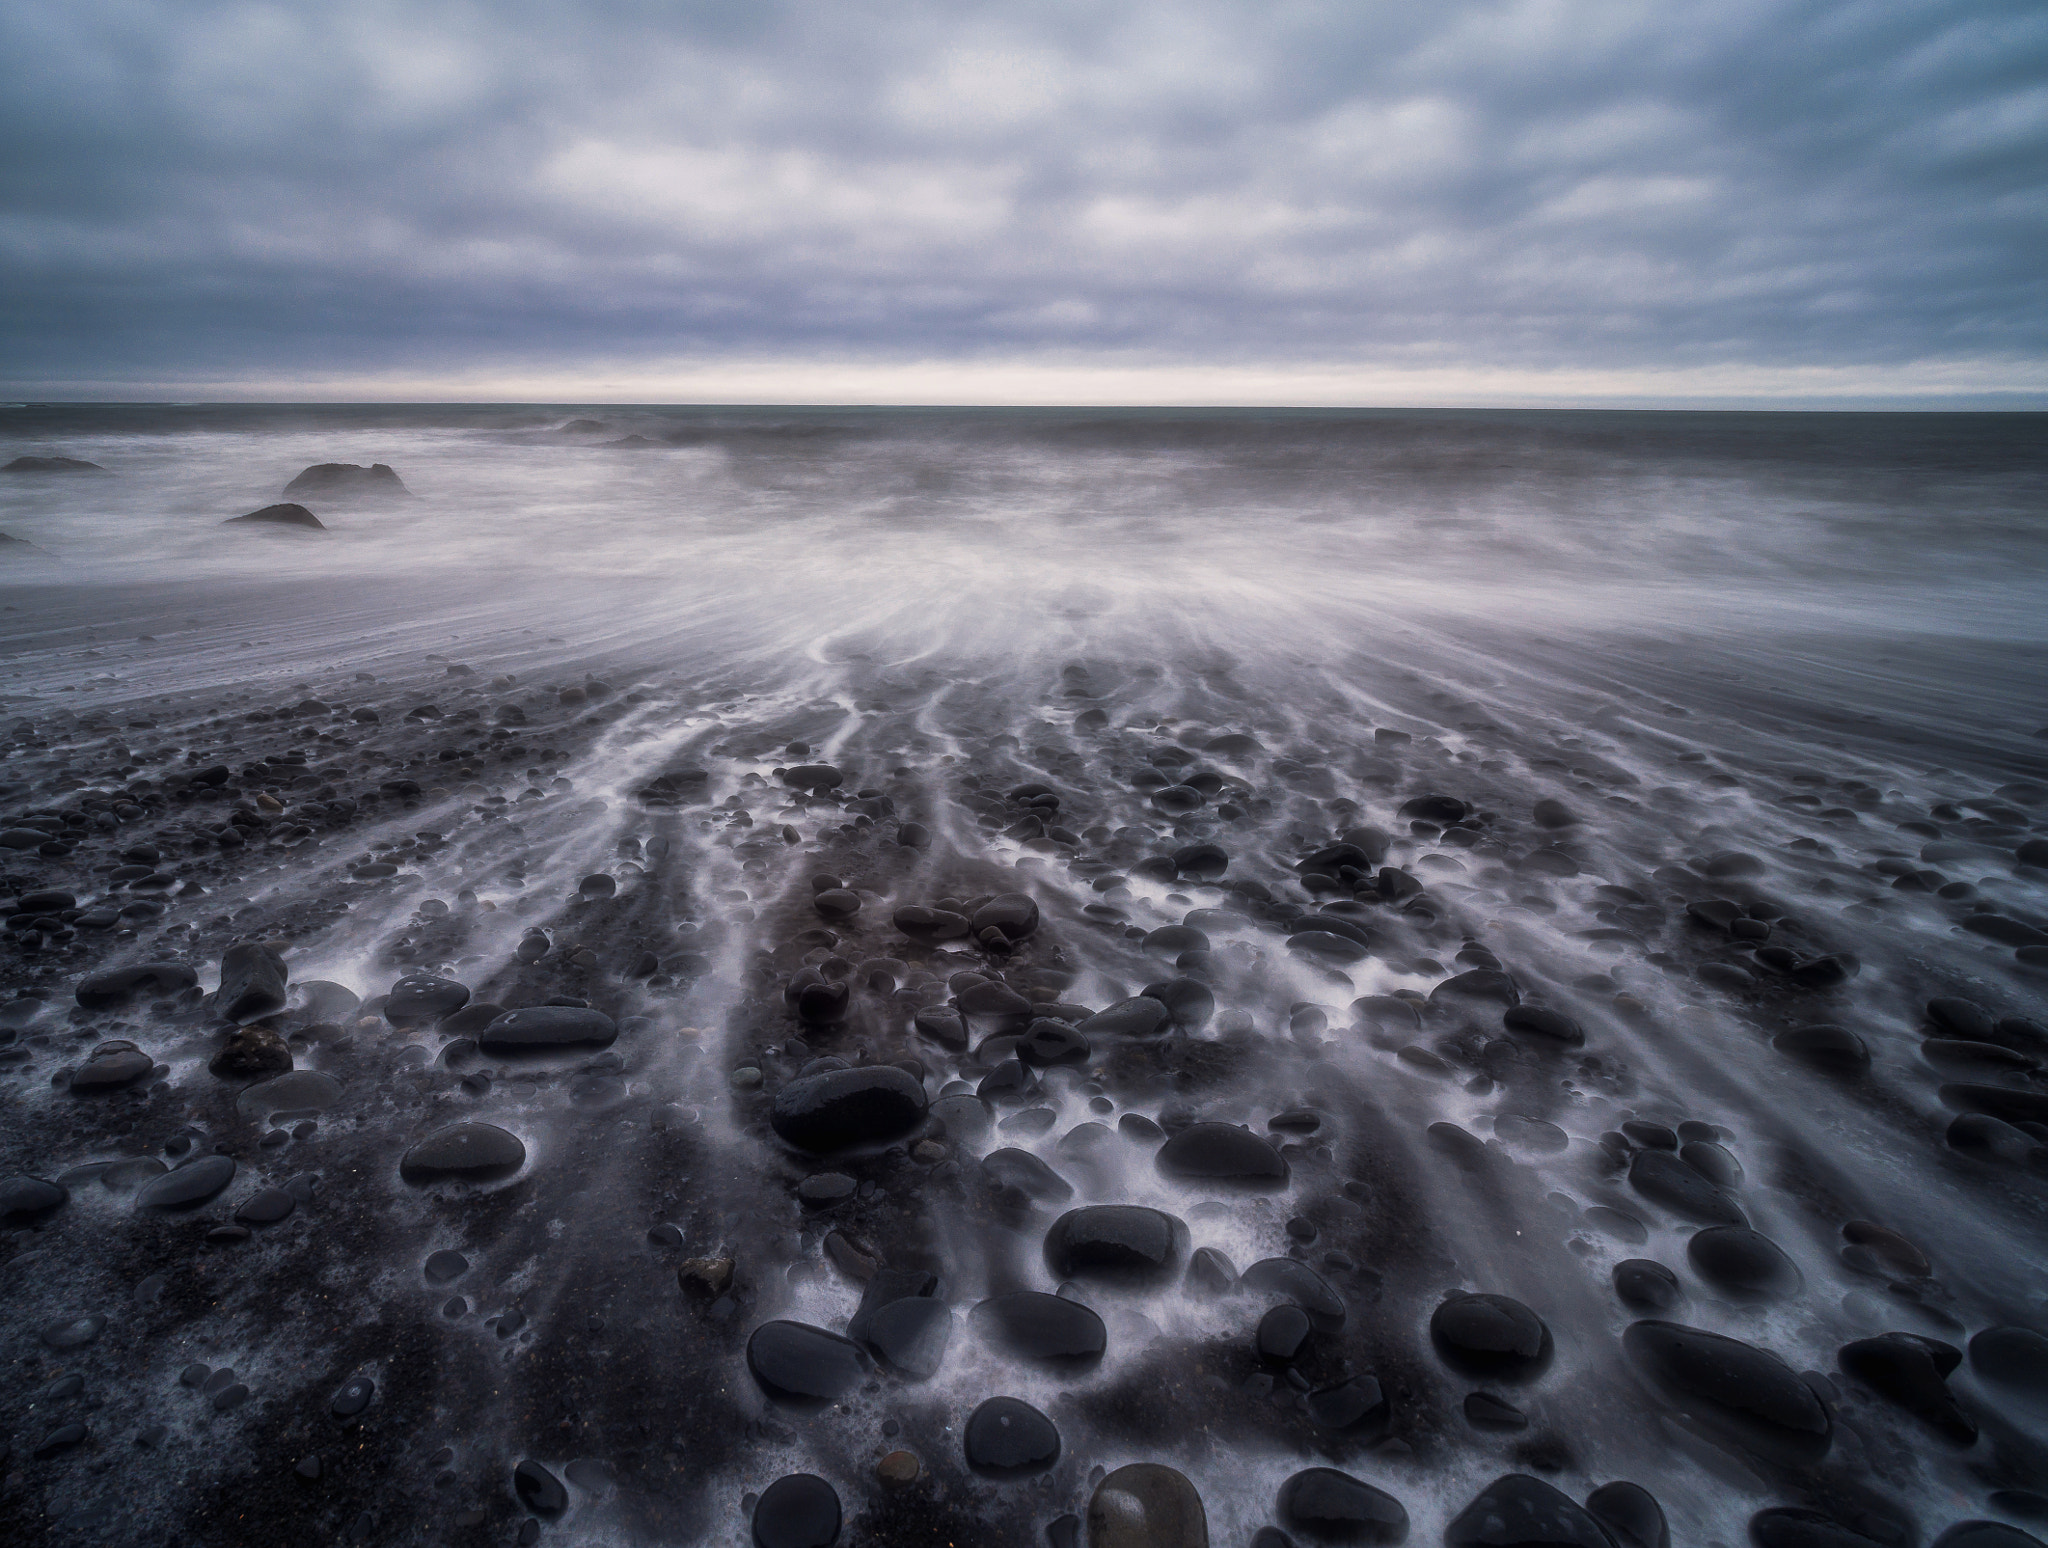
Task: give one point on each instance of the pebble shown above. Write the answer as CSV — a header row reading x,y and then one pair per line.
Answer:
x,y
189,1185
1222,1153
1006,1437
1282,1334
1328,1506
1830,1049
353,1397
1295,1281
1146,1505
910,1335
1116,1243
539,1490
1518,1511
24,1198
542,1028
423,998
1912,1372
799,1510
1021,1171
1631,1513
1748,1392
1743,1263
802,1364
838,1109
1647,1285
1032,1325
463,1152
268,1207
1493,1335
252,982
1662,1178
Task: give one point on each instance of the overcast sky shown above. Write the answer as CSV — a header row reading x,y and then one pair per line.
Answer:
x,y
1353,201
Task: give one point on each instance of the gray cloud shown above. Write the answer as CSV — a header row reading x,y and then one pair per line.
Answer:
x,y
247,190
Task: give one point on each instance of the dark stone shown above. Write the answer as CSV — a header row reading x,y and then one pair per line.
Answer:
x,y
1485,1411
1032,1325
1333,1507
930,924
353,1397
1296,1282
463,1152
1013,915
189,1186
1742,1262
1048,1042
539,1490
1986,1534
1020,1170
1222,1153
1146,1505
835,1109
52,465
1480,986
1122,1243
2012,1358
1282,1334
1794,1526
1543,1022
1490,1335
2000,1102
285,515
110,990
267,1207
1747,1392
252,982
1631,1513
1141,1016
1441,809
1913,1372
1188,1001
1008,1438
339,479
1210,1274
540,1028
249,1052
111,1071
1354,1405
994,1006
911,1334
24,1199
423,998
1647,1285
1204,862
817,999
799,1510
1518,1511
1830,1049
813,776
801,1364
1661,1177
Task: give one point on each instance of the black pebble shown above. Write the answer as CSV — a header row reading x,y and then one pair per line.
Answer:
x,y
1492,1335
1116,1242
1328,1506
1519,1511
803,1364
1008,1438
797,1511
1281,1335
353,1397
1032,1325
1647,1285
539,1490
1743,1263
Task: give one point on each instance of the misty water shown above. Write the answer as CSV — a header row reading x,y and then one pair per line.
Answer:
x,y
1413,846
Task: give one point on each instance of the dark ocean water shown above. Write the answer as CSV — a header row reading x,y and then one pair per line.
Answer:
x,y
1692,730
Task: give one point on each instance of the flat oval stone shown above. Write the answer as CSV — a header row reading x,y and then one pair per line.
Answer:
x,y
911,1335
798,1363
1481,986
1222,1153
1490,1335
1631,1513
423,997
1746,1391
2013,1358
1659,1176
1140,1016
1518,1511
1794,1526
799,1510
1032,1325
1126,1243
538,1028
23,1198
111,1072
1146,1505
1743,1263
835,1109
190,1185
1539,1021
267,1207
463,1152
353,1397
298,1094
1007,1438
105,991
1334,1507
1912,1372
1647,1285
1012,913
1021,1170
1830,1049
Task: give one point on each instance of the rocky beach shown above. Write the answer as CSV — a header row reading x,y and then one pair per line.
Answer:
x,y
1127,979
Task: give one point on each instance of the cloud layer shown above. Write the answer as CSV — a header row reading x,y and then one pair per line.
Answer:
x,y
633,192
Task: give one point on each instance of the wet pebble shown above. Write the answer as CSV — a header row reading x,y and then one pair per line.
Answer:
x,y
1748,1392
540,1028
837,1109
1493,1335
1115,1243
1032,1325
1518,1511
1006,1437
802,1364
1743,1263
1326,1505
1146,1505
1221,1153
799,1510
189,1186
463,1152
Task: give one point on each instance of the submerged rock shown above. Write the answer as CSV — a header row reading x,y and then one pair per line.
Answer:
x,y
1222,1153
540,1028
1033,1325
1490,1335
286,515
463,1152
837,1109
1118,1243
800,1510
1006,1437
1749,1393
332,479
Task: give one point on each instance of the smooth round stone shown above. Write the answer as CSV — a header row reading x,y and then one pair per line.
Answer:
x,y
801,1364
1012,913
445,1267
1986,1534
1328,946
539,1490
1007,1438
1831,1050
23,1198
321,1000
1479,986
929,924
1120,1243
105,991
252,982
1531,1136
1713,1162
995,1007
1282,1334
1490,1335
836,903
1518,1511
1743,1263
1032,1325
463,1152
813,776
825,1188
266,1208
353,1397
1748,1392
1020,1170
2015,1359
1647,1285
538,1028
301,1093
1661,1177
1048,1042
836,1109
800,1510
1189,1002
911,1335
1204,862
1290,1279
1140,1016
189,1186
1544,1024
964,1116
1631,1513
1913,1372
1146,1505
423,997
1178,800
111,1071
1222,1153
1332,1507
75,1334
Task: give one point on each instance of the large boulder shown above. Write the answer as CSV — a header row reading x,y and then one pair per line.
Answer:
x,y
346,480
280,516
